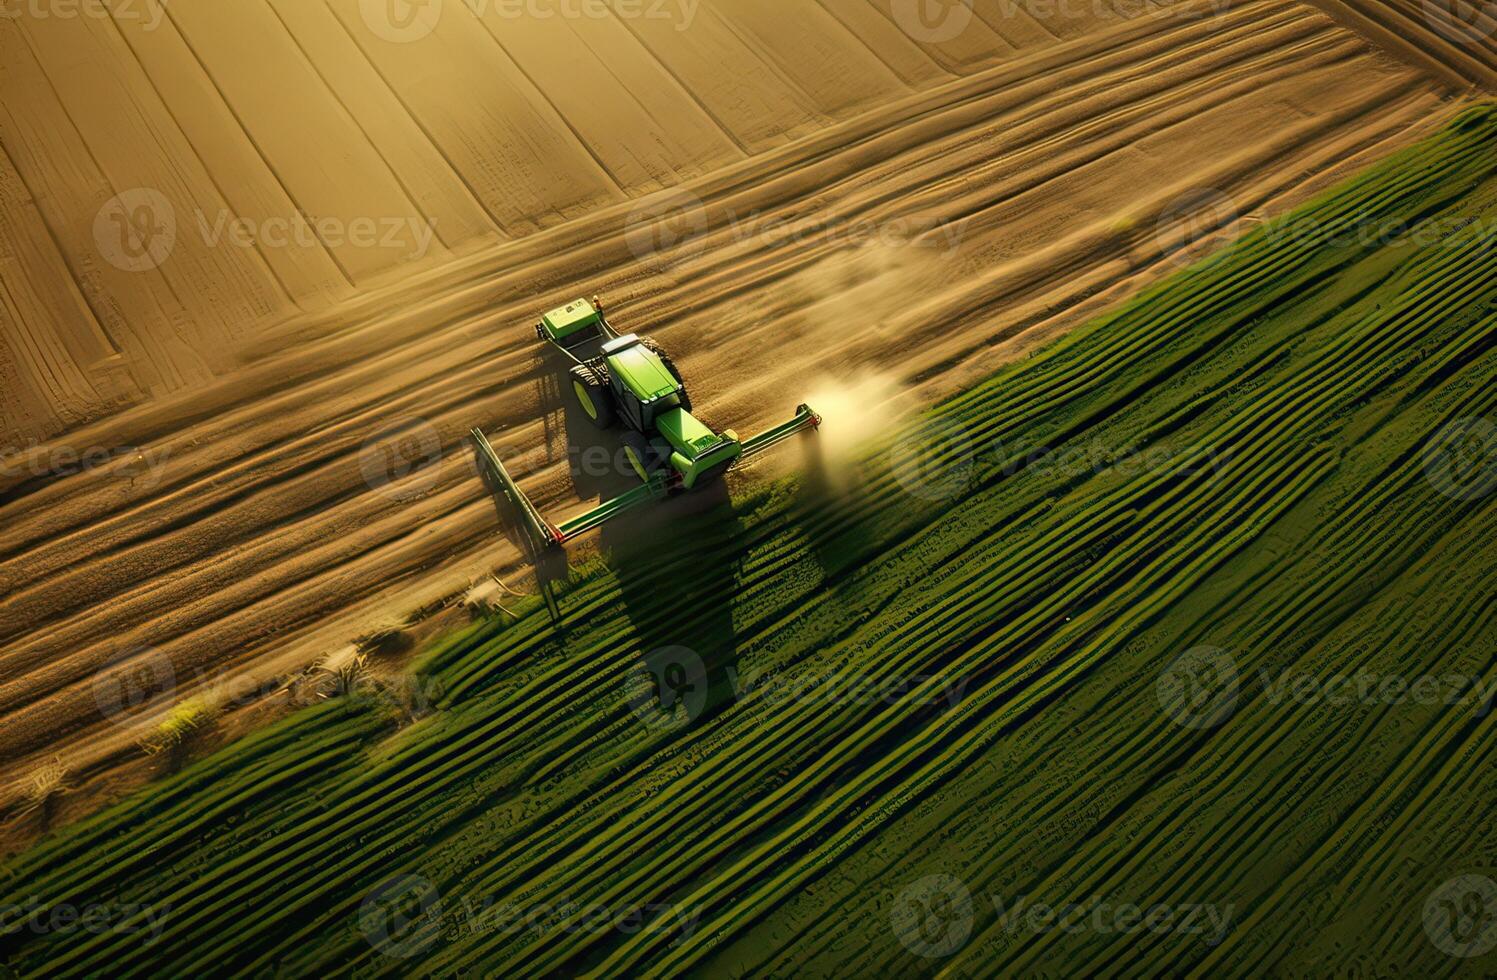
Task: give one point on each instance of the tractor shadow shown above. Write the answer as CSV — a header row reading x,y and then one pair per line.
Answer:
x,y
595,457
677,565
676,562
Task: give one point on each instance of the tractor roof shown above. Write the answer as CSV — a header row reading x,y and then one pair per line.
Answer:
x,y
640,369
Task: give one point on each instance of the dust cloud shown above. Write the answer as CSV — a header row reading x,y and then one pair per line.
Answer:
x,y
856,412
867,286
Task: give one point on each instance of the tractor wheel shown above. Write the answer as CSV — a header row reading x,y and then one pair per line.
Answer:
x,y
670,366
593,396
640,456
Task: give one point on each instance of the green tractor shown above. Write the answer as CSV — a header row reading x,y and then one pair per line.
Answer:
x,y
629,382
626,381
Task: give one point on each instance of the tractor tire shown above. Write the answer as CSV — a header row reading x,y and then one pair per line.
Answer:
x,y
593,396
670,366
641,457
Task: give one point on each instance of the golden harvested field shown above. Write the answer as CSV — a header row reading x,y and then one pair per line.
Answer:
x,y
264,263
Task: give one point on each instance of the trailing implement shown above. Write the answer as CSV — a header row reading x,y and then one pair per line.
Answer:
x,y
626,381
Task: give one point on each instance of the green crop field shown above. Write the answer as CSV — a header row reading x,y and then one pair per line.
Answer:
x,y
1168,649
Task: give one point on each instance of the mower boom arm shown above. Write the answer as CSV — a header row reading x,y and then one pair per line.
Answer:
x,y
768,439
540,531
544,534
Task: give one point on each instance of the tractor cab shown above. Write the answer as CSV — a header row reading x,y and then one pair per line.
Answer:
x,y
627,379
641,382
652,401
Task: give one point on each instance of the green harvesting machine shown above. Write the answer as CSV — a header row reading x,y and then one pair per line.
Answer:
x,y
626,381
